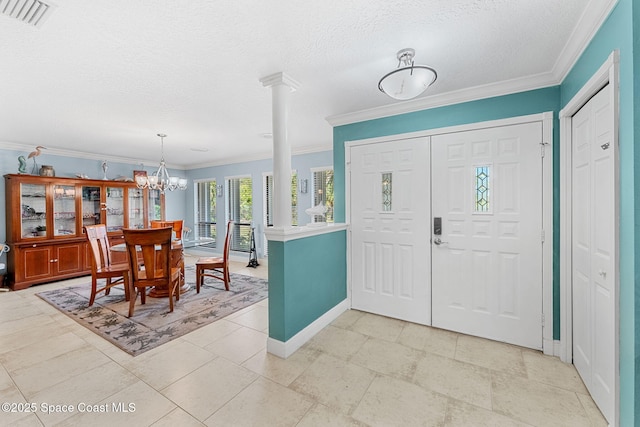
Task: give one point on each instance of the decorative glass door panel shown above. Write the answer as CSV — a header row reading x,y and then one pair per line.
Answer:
x,y
91,206
115,208
33,198
64,210
136,208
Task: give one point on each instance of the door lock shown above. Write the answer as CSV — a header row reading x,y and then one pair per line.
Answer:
x,y
439,242
437,226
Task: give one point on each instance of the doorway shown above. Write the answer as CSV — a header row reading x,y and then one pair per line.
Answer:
x,y
420,248
590,236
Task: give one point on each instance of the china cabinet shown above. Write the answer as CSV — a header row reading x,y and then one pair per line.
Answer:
x,y
45,219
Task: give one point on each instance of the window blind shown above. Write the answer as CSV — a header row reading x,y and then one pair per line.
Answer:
x,y
323,191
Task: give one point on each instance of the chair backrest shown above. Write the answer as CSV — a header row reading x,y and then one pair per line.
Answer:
x,y
99,245
155,246
227,241
177,226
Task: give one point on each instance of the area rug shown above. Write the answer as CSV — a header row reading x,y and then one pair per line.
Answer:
x,y
151,324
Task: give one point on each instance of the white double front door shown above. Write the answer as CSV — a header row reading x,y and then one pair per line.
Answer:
x,y
446,231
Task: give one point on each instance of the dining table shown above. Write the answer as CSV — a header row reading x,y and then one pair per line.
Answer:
x,y
177,261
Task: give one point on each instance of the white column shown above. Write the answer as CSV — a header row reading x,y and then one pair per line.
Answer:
x,y
281,86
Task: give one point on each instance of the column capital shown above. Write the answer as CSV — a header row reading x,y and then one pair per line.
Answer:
x,y
280,79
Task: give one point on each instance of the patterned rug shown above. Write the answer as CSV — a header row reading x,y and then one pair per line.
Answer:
x,y
151,324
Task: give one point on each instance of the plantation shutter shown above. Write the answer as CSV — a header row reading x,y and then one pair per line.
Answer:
x,y
323,191
206,215
240,209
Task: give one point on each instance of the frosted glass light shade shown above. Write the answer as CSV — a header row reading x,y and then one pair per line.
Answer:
x,y
407,82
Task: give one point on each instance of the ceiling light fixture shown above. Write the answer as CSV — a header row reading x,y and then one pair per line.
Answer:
x,y
161,179
408,80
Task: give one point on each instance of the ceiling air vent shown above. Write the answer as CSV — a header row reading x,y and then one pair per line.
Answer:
x,y
32,12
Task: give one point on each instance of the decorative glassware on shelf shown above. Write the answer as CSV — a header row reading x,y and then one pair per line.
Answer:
x,y
115,209
64,210
34,207
91,206
136,208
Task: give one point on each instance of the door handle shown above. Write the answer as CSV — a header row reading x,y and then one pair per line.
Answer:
x,y
439,242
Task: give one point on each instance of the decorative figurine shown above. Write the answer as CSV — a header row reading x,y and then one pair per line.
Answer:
x,y
318,210
105,166
34,154
22,164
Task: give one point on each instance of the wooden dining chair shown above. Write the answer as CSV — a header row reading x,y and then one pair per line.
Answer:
x,y
176,225
216,267
155,247
101,265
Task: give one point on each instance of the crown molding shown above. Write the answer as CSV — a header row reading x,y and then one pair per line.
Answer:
x,y
592,18
265,155
76,154
490,90
127,160
590,22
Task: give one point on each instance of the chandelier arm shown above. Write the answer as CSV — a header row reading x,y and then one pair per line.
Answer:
x,y
161,180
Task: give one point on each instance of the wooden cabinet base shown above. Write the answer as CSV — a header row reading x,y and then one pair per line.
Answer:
x,y
17,286
44,262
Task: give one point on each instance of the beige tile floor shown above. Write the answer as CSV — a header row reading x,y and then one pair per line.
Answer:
x,y
361,370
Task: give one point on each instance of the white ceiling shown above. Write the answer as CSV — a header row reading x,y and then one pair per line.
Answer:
x,y
104,77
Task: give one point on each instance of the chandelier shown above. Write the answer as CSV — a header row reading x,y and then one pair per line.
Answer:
x,y
161,180
408,80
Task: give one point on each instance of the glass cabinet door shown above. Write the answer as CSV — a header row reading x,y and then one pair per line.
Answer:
x,y
64,210
136,208
33,198
155,205
115,208
91,207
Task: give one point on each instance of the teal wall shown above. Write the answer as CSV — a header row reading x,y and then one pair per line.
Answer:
x,y
620,31
519,104
307,278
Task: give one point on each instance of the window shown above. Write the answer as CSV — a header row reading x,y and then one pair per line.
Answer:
x,y
268,204
240,211
206,193
156,204
482,189
387,185
323,190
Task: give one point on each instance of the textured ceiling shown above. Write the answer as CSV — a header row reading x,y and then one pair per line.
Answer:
x,y
104,77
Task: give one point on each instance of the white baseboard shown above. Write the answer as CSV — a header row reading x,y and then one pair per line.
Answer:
x,y
551,347
547,347
556,348
286,349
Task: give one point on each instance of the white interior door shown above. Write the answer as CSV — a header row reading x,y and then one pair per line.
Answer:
x,y
390,251
487,272
593,254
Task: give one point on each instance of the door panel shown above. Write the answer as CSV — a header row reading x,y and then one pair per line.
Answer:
x,y
593,258
389,186
487,273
